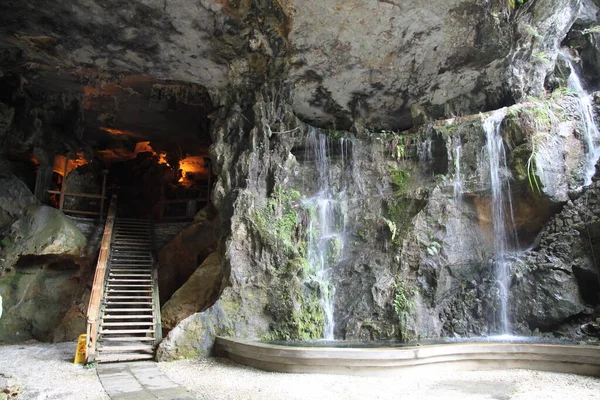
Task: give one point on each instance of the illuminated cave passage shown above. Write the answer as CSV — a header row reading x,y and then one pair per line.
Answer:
x,y
145,140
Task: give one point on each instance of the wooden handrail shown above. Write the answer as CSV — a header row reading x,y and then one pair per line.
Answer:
x,y
93,311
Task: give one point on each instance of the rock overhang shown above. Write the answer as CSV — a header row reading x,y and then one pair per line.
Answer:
x,y
349,62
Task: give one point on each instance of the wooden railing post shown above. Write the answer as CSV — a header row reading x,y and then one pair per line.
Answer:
x,y
93,311
103,198
63,186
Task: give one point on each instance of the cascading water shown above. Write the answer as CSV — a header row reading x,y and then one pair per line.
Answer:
x,y
327,221
502,210
591,134
458,183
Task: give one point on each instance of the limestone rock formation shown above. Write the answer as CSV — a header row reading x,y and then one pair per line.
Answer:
x,y
194,336
42,253
15,197
179,258
199,292
402,93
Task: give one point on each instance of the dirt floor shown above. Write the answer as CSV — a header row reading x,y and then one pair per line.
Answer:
x,y
45,371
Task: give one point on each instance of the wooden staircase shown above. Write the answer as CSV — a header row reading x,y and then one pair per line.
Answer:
x,y
126,326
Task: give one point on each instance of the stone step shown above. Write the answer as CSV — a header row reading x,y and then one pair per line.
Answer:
x,y
106,358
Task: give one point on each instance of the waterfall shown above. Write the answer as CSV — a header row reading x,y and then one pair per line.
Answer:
x,y
590,130
458,183
502,210
327,221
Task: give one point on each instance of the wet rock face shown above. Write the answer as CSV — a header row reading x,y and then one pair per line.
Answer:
x,y
560,278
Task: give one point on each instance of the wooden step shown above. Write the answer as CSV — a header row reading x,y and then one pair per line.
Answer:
x,y
128,297
112,303
111,316
131,288
127,339
124,331
130,257
131,271
137,323
129,280
130,264
132,223
127,275
140,347
112,310
127,241
110,292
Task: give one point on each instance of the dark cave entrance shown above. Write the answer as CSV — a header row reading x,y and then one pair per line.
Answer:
x,y
145,140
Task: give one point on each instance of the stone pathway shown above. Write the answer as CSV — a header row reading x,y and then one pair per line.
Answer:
x,y
140,380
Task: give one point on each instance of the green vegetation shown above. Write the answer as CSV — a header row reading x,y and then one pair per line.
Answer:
x,y
336,135
296,311
392,227
539,119
593,29
277,221
400,178
514,3
403,305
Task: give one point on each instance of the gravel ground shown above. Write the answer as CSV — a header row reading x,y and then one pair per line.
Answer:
x,y
217,379
46,372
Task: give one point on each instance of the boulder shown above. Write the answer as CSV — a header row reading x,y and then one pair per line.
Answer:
x,y
199,292
41,252
194,337
45,231
179,258
15,197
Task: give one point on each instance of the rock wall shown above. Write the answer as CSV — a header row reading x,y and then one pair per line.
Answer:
x,y
416,262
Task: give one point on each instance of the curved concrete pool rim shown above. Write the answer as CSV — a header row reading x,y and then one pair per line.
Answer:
x,y
582,360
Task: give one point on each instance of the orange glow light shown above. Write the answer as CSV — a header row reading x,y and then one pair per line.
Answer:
x,y
118,132
192,167
59,163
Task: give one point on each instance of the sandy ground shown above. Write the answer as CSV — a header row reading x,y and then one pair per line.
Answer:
x,y
46,372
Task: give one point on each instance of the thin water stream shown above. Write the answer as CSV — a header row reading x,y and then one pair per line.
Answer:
x,y
502,211
328,209
590,129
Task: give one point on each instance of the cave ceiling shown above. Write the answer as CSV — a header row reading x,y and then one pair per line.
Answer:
x,y
347,61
